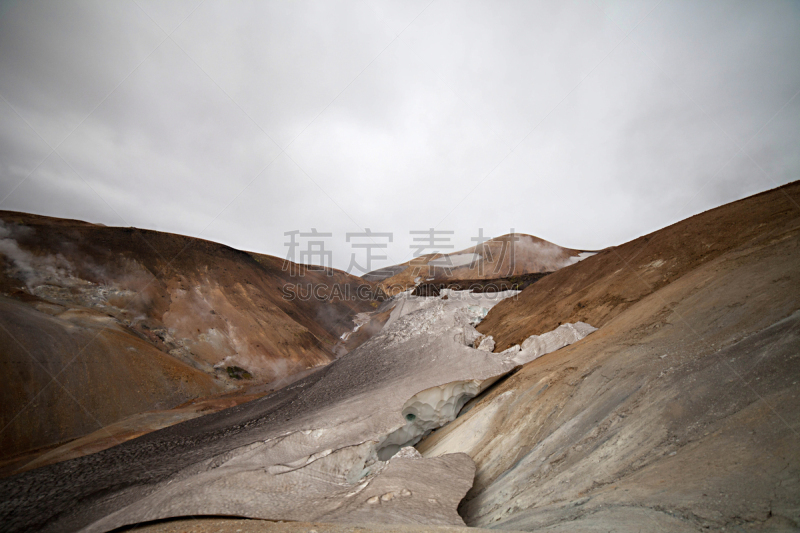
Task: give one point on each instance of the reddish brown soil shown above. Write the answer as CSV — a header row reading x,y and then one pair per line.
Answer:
x,y
599,288
100,323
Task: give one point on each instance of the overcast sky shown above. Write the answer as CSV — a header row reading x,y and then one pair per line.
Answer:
x,y
584,123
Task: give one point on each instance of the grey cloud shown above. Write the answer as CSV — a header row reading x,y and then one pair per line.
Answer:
x,y
622,117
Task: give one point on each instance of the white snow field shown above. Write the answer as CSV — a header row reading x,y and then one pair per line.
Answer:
x,y
332,456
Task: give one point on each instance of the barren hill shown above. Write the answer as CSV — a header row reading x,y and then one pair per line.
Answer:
x,y
602,286
99,323
501,258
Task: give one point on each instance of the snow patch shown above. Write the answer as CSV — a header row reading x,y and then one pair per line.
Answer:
x,y
486,344
426,411
580,257
478,314
536,346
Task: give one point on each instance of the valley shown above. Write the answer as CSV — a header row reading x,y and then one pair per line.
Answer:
x,y
650,386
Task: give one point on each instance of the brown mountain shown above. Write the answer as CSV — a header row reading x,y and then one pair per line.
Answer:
x,y
681,413
501,258
601,287
98,323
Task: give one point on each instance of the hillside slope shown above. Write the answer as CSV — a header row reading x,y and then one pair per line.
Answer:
x,y
602,286
99,323
681,413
